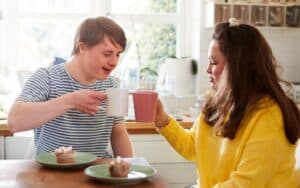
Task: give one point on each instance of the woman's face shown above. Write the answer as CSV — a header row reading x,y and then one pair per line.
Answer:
x,y
216,63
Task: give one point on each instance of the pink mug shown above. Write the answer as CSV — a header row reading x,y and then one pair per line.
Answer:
x,y
145,103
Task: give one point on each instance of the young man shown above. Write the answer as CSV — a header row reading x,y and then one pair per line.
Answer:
x,y
61,102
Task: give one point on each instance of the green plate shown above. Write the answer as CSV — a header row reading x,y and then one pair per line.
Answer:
x,y
81,159
136,174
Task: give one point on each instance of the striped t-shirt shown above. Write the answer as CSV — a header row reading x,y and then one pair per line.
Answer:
x,y
81,131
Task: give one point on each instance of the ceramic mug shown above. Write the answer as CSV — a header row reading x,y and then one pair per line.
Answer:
x,y
117,102
145,103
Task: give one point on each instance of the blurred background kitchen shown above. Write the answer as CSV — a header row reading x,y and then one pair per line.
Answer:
x,y
36,33
166,51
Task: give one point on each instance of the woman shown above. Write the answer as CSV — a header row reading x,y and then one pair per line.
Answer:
x,y
247,131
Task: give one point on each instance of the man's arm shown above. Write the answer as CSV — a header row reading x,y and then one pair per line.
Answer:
x,y
28,115
120,142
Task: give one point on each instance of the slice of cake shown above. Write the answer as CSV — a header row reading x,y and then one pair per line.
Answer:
x,y
65,155
119,168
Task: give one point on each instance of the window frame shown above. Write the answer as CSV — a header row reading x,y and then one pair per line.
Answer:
x,y
12,18
178,19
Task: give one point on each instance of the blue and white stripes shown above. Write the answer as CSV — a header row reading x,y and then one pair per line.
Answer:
x,y
81,131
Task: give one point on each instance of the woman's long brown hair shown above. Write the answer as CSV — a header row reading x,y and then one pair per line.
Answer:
x,y
250,72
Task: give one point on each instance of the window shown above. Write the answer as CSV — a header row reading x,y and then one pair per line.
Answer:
x,y
151,27
34,32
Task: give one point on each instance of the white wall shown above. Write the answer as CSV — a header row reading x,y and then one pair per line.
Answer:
x,y
285,43
19,147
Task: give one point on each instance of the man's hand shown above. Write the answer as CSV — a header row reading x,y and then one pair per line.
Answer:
x,y
87,101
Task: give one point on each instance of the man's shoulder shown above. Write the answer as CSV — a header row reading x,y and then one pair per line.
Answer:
x,y
111,81
53,69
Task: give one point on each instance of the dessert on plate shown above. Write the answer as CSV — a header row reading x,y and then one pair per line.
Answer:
x,y
65,155
119,167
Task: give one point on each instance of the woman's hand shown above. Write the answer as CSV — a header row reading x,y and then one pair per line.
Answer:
x,y
161,118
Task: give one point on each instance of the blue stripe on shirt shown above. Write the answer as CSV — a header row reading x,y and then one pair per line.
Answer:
x,y
81,131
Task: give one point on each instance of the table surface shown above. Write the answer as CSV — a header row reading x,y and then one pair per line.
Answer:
x,y
29,174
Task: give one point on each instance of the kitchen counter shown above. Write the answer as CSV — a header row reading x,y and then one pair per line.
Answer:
x,y
132,127
149,128
4,130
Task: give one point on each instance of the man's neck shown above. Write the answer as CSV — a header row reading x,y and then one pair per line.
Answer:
x,y
77,71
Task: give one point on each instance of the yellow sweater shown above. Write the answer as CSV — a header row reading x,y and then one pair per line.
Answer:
x,y
259,156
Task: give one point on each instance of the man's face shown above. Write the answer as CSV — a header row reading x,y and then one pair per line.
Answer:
x,y
101,59
216,63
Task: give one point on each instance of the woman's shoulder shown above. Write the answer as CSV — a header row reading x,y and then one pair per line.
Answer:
x,y
266,115
266,105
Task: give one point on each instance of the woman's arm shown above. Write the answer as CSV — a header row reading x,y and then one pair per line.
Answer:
x,y
182,140
256,166
265,155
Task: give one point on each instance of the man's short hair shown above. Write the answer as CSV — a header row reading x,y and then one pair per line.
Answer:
x,y
93,30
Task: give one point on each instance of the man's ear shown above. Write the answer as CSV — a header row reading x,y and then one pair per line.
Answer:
x,y
82,47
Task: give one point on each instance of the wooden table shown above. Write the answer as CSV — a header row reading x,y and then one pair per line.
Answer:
x,y
29,174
